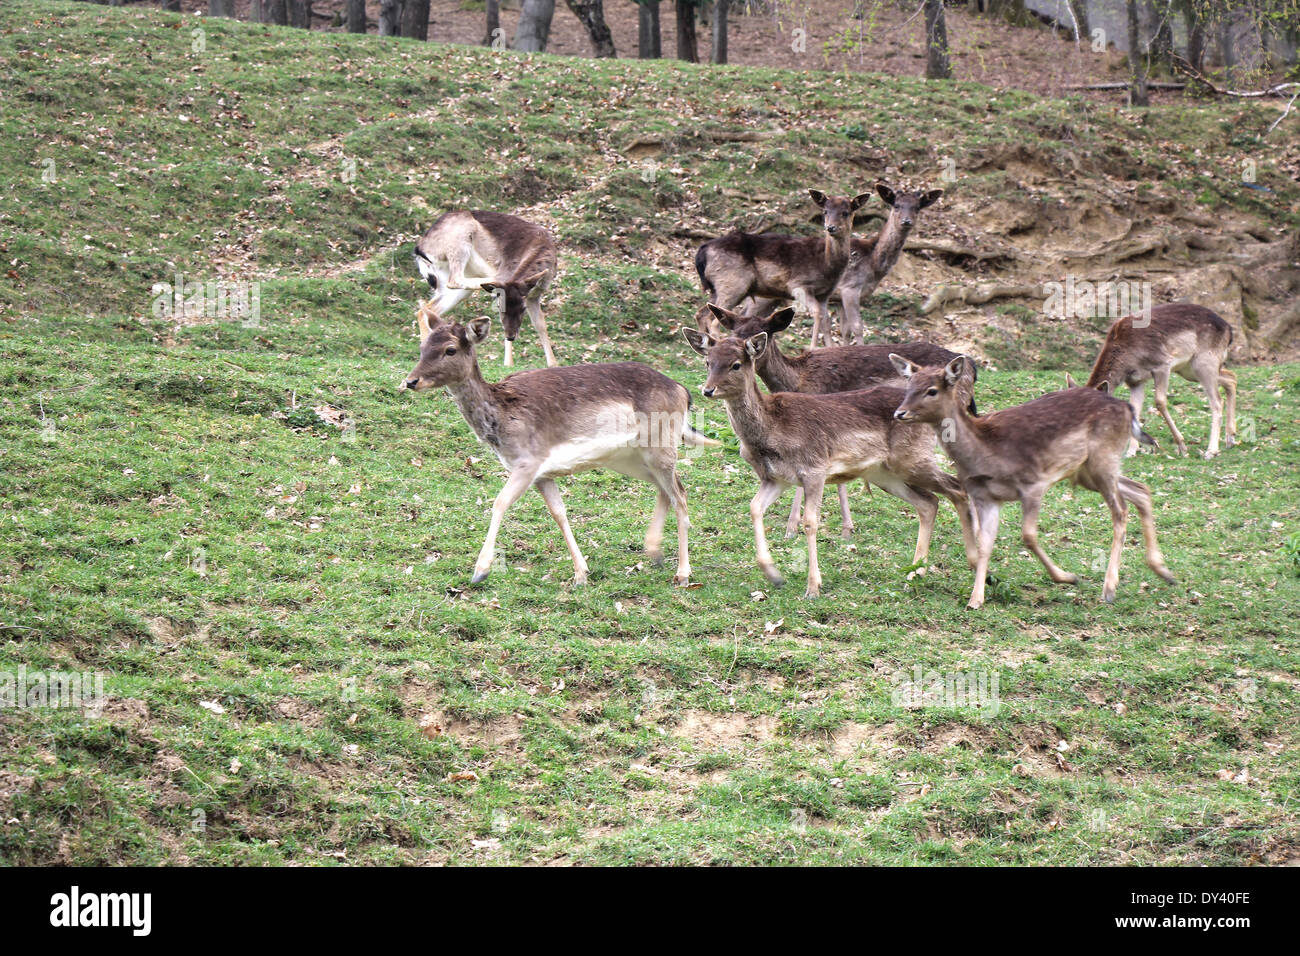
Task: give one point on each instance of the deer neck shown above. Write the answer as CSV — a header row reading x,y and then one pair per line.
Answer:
x,y
780,373
748,415
474,397
837,250
959,435
889,244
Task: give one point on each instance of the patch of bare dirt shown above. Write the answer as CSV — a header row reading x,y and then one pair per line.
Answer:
x,y
709,731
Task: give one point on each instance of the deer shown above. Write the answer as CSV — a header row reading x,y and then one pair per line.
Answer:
x,y
1175,337
1016,454
510,257
820,371
548,422
743,265
869,259
790,438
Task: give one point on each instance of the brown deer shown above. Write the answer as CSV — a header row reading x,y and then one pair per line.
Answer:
x,y
742,265
820,371
1176,337
1016,454
813,440
508,256
548,422
870,259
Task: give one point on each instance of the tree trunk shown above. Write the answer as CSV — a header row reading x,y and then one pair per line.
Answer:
x,y
390,15
648,43
534,26
720,30
937,65
1162,32
356,16
221,8
277,12
686,31
591,14
300,13
415,19
493,10
172,6
1137,94
1080,10
1195,35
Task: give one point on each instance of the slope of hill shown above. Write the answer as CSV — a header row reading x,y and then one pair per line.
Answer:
x,y
262,548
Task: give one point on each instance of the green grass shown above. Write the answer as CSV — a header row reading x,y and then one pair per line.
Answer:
x,y
177,521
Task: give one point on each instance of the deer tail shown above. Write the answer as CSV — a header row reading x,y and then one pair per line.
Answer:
x,y
1142,436
702,263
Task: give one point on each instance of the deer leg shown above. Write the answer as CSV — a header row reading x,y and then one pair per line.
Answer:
x,y
1135,398
796,510
448,298
534,307
1119,521
1139,495
987,514
852,304
555,505
683,575
1207,373
925,504
1030,504
846,516
768,492
1228,382
1161,387
654,535
822,321
515,486
812,516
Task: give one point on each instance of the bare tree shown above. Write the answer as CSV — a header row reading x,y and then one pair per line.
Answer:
x,y
591,14
277,12
415,19
172,6
686,31
390,15
937,64
1137,94
720,10
534,26
221,8
300,13
356,16
649,44
492,9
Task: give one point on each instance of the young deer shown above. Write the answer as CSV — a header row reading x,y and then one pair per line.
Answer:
x,y
870,259
472,249
1188,339
814,440
820,371
1018,453
743,265
548,422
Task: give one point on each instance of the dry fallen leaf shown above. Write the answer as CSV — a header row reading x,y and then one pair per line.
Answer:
x,y
461,776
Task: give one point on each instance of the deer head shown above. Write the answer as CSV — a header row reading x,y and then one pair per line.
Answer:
x,y
730,362
746,326
906,205
513,294
837,211
447,354
934,394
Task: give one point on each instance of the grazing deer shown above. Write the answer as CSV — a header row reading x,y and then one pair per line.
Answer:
x,y
870,259
1016,454
1188,339
742,265
813,440
820,371
472,249
548,422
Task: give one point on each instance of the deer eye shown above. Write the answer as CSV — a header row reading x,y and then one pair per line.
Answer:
x,y
932,392
450,351
735,366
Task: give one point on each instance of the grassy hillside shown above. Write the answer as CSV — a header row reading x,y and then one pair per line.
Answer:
x,y
296,670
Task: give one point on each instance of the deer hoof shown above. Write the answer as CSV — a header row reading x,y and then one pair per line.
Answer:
x,y
1108,595
774,577
847,532
656,558
974,605
1068,579
1211,453
479,577
681,580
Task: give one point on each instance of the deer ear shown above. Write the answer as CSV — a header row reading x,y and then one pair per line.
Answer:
x,y
930,198
489,286
1070,382
531,282
818,196
780,320
904,367
697,340
1104,388
857,202
477,330
885,193
955,369
426,318
726,317
755,345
